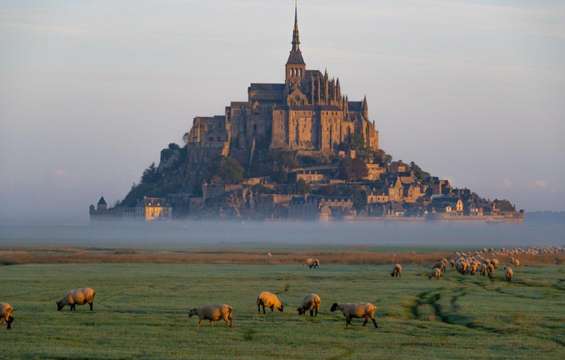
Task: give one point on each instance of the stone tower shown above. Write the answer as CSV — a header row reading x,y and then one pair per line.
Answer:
x,y
295,68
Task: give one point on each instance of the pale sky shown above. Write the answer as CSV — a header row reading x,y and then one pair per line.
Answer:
x,y
91,91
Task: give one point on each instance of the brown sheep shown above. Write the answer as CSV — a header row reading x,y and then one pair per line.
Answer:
x,y
312,263
213,313
397,271
77,297
515,261
508,274
269,300
366,311
6,315
311,303
495,263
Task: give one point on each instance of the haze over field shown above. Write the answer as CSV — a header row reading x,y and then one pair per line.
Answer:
x,y
92,91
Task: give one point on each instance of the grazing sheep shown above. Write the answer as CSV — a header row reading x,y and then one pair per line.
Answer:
x,y
483,269
462,266
6,315
366,311
445,263
311,303
515,261
397,271
436,273
312,263
212,313
490,271
474,267
77,297
439,265
269,300
495,263
508,274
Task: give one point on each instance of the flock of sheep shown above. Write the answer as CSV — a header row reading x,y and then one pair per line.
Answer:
x,y
483,262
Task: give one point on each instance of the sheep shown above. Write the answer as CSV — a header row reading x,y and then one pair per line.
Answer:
x,y
366,311
77,297
461,266
312,263
474,267
397,271
269,300
439,265
445,263
436,273
483,269
490,271
515,261
311,303
508,274
215,312
6,315
495,263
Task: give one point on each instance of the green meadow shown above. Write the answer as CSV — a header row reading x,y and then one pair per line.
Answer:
x,y
140,312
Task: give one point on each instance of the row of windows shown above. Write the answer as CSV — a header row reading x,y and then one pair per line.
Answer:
x,y
296,72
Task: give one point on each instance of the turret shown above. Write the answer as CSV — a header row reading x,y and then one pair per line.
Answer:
x,y
338,90
365,109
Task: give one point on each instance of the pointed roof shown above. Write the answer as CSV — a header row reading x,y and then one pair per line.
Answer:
x,y
295,57
102,201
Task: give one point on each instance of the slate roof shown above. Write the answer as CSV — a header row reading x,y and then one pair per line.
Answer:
x,y
295,58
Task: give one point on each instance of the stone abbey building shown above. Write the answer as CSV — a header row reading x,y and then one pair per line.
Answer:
x,y
306,113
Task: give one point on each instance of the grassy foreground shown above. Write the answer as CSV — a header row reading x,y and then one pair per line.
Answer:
x,y
141,313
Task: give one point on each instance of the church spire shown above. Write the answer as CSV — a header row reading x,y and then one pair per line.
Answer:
x,y
295,32
295,65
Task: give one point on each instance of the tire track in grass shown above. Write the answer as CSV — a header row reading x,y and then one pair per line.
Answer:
x,y
432,298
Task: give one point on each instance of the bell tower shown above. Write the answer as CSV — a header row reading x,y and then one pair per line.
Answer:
x,y
295,68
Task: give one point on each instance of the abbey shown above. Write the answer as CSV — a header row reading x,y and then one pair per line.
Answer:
x,y
306,113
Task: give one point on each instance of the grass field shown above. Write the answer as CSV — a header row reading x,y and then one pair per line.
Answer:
x,y
141,313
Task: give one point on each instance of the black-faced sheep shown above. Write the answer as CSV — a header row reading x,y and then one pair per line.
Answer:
x,y
366,311
214,312
396,271
6,315
312,263
269,300
508,274
311,303
77,297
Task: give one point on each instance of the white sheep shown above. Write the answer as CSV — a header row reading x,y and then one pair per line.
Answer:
x,y
509,273
77,297
366,311
312,263
311,303
269,300
396,271
213,312
6,315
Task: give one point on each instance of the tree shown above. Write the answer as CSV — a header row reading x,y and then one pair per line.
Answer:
x,y
227,169
352,169
359,199
418,172
150,175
